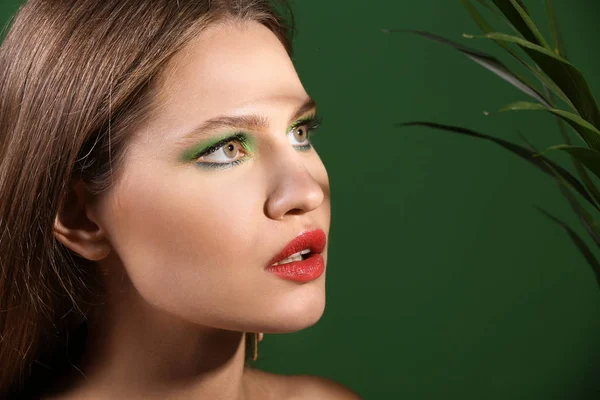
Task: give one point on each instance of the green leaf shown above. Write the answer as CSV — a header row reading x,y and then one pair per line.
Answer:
x,y
587,131
542,77
489,7
589,157
498,13
539,74
517,14
480,20
578,241
485,60
585,178
587,181
487,28
585,218
543,163
568,78
557,39
520,2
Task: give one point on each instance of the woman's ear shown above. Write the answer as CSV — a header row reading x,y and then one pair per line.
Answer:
x,y
76,227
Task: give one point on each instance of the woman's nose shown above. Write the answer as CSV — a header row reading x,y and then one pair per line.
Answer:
x,y
295,190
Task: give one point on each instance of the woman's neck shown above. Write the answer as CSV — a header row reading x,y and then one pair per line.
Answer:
x,y
137,351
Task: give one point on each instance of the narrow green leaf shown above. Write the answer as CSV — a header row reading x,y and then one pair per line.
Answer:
x,y
485,60
563,178
585,178
498,13
486,27
587,131
548,83
489,7
568,78
578,241
527,142
541,76
480,20
517,14
585,218
557,39
520,2
587,181
533,157
589,157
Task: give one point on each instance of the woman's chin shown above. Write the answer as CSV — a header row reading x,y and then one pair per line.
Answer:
x,y
293,314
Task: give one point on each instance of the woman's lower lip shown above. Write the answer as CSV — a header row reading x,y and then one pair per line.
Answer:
x,y
300,271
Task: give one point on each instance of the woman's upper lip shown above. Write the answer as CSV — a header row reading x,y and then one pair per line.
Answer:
x,y
314,240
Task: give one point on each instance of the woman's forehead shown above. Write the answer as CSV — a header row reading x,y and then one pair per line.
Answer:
x,y
228,65
230,69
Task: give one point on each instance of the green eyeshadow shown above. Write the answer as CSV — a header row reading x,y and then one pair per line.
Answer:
x,y
194,152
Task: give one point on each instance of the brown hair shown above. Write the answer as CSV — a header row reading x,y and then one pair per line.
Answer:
x,y
76,78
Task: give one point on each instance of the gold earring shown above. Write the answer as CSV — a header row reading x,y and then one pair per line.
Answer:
x,y
258,337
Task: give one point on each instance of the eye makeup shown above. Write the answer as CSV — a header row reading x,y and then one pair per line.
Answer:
x,y
312,123
247,141
211,145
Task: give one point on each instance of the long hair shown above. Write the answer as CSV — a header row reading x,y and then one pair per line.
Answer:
x,y
76,78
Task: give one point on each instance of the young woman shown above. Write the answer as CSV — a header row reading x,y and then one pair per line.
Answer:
x,y
160,201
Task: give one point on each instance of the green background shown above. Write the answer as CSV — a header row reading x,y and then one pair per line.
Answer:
x,y
443,280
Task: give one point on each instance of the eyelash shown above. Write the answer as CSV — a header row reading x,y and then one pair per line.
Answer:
x,y
312,123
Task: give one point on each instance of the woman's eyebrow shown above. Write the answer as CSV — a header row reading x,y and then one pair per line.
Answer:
x,y
251,122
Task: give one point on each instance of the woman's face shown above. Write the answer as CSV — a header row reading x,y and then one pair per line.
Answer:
x,y
194,233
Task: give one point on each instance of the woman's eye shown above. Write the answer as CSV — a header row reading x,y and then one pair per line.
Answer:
x,y
299,136
225,154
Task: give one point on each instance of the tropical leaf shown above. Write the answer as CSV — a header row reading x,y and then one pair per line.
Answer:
x,y
543,163
489,7
497,12
587,181
568,78
585,218
481,21
557,39
589,157
527,142
585,178
518,16
578,241
520,2
541,76
587,132
485,60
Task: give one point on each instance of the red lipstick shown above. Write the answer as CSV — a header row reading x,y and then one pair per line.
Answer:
x,y
311,267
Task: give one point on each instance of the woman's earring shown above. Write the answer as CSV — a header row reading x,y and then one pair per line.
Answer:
x,y
258,337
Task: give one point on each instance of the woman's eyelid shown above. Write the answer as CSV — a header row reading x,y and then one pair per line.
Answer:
x,y
303,120
246,142
236,138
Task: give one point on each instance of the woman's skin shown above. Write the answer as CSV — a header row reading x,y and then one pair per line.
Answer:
x,y
184,249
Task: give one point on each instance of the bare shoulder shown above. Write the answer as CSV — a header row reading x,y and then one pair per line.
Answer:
x,y
267,385
315,387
